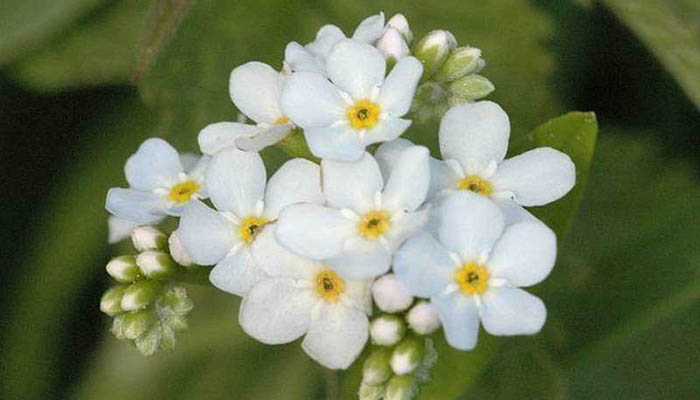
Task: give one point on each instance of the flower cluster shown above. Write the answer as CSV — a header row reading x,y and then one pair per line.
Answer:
x,y
315,247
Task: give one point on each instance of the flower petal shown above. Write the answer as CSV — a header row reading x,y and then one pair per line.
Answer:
x,y
235,181
266,137
361,259
356,68
296,181
335,142
525,254
188,161
311,101
387,129
423,265
388,154
326,39
514,212
400,86
352,185
255,90
441,177
206,235
276,261
459,316
119,229
275,311
313,231
216,137
155,164
536,177
405,225
512,311
408,184
358,294
474,134
199,169
236,273
370,29
469,224
300,59
136,206
337,334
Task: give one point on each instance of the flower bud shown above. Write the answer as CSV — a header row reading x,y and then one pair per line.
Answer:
x,y
123,269
139,295
401,388
177,252
392,45
406,356
423,318
400,23
136,323
370,392
156,264
433,49
390,295
387,330
460,62
110,303
469,88
376,368
148,238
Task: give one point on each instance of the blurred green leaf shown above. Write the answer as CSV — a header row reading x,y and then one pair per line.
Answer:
x,y
671,30
27,24
575,134
68,247
101,50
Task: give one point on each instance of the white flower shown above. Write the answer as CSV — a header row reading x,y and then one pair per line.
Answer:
x,y
473,142
312,57
159,184
245,206
357,107
301,297
364,220
390,295
474,270
255,90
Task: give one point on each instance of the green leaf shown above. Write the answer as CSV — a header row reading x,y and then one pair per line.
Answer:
x,y
671,30
575,134
101,50
27,24
68,247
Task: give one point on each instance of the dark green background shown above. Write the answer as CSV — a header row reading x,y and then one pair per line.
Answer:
x,y
623,302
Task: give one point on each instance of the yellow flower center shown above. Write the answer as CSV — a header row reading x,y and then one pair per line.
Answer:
x,y
472,278
475,184
182,192
373,224
363,115
282,121
250,227
329,285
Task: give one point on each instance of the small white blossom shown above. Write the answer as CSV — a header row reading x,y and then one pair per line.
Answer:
x,y
301,297
363,220
255,90
386,330
357,107
245,206
159,184
390,295
474,270
473,142
423,318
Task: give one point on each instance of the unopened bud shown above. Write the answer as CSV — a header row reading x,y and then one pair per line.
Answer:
x,y
401,388
406,356
392,45
433,49
471,87
400,23
390,295
139,295
156,264
123,269
387,330
148,238
177,252
460,62
134,324
110,303
423,318
376,368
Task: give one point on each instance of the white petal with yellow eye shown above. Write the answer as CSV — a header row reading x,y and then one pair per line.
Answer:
x,y
511,311
235,181
351,185
423,265
236,273
278,262
137,206
314,231
337,334
206,235
361,259
255,89
311,101
156,164
525,254
459,316
356,68
296,181
340,142
400,85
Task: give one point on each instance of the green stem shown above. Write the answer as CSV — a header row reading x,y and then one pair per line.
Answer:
x,y
295,145
332,384
195,275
